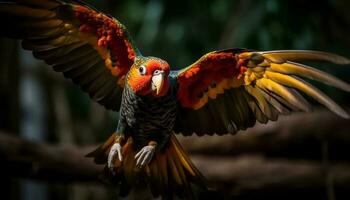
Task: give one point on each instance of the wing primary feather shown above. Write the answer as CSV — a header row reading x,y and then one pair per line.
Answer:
x,y
220,120
263,105
256,110
56,52
79,54
283,92
282,101
301,98
274,102
98,83
90,75
234,122
247,113
36,35
281,56
76,67
40,24
309,90
105,90
110,101
309,72
55,41
47,43
274,114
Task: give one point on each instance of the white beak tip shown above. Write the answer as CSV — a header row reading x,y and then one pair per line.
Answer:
x,y
157,83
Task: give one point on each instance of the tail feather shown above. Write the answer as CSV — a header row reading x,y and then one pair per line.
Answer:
x,y
170,172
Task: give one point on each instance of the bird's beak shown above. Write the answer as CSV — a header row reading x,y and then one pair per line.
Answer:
x,y
158,82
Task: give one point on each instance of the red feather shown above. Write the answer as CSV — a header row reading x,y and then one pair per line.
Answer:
x,y
109,34
213,68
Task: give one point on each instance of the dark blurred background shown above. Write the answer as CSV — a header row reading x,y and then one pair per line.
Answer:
x,y
47,124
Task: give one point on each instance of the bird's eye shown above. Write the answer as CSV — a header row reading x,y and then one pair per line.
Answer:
x,y
156,72
142,70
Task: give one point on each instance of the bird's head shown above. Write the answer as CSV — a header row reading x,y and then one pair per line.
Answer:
x,y
149,76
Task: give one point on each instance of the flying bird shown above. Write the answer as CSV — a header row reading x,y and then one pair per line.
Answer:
x,y
221,93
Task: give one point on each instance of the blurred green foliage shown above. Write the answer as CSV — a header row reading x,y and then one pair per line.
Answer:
x,y
181,31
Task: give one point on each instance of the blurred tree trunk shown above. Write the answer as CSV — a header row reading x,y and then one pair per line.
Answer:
x,y
9,77
9,115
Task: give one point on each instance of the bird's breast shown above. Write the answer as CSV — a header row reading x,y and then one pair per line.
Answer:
x,y
148,118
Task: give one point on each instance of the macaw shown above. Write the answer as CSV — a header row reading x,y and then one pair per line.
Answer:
x,y
221,93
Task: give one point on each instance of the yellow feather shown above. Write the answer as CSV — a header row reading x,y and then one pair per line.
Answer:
x,y
282,91
258,69
202,101
309,90
274,102
212,93
245,55
225,84
220,88
281,56
309,72
257,111
263,105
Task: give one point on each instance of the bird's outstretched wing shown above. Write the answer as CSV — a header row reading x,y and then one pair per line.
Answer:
x,y
226,91
89,47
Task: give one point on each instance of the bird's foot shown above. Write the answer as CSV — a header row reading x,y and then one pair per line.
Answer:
x,y
145,155
114,153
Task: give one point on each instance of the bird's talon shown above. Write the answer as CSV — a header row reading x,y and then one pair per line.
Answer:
x,y
145,155
115,152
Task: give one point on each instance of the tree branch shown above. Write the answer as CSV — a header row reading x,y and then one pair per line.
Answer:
x,y
259,173
297,136
21,158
